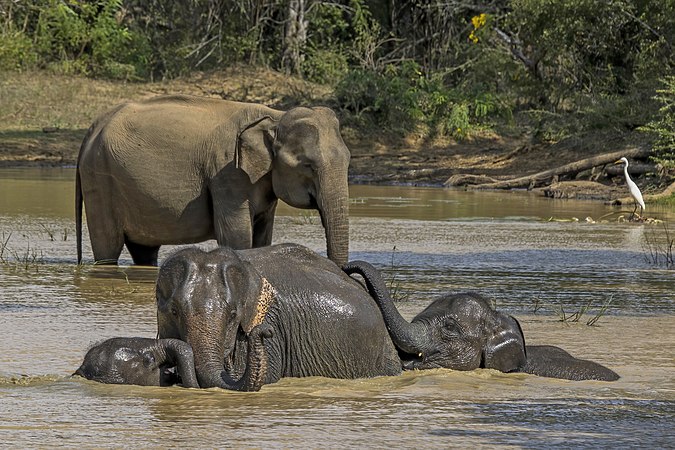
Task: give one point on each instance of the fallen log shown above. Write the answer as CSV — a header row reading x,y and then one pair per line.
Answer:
x,y
635,168
532,181
467,179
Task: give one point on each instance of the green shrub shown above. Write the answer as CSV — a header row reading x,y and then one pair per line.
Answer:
x,y
324,66
86,37
16,51
663,125
403,100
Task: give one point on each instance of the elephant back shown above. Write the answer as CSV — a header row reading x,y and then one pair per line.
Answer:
x,y
323,314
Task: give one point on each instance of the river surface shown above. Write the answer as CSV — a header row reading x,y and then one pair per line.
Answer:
x,y
538,259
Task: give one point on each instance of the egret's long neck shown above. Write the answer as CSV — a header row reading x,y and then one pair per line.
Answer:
x,y
625,171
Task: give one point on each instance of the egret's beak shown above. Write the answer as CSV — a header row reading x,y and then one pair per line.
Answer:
x,y
617,162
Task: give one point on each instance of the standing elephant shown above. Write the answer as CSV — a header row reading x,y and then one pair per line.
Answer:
x,y
464,332
323,322
166,362
182,169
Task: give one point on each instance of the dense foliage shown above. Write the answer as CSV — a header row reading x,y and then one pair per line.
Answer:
x,y
663,125
428,66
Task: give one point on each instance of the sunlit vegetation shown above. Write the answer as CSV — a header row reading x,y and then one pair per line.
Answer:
x,y
553,69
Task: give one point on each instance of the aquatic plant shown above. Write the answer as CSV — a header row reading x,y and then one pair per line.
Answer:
x,y
393,283
658,250
29,258
583,309
601,312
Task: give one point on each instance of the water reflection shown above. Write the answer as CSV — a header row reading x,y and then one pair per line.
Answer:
x,y
427,241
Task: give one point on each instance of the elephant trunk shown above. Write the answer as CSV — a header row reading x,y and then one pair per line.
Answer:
x,y
333,206
180,354
210,360
408,337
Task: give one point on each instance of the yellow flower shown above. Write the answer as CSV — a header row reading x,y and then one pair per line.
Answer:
x,y
479,21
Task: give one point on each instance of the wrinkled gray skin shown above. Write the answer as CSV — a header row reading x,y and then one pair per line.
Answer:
x,y
554,362
464,332
323,322
141,361
181,169
165,362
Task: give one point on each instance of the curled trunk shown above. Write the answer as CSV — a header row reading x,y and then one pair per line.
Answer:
x,y
408,337
209,364
180,354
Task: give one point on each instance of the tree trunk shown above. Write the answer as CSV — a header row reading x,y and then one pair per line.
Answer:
x,y
295,37
531,181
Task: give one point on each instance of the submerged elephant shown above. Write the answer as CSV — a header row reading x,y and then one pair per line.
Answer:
x,y
323,322
464,332
141,361
166,362
182,169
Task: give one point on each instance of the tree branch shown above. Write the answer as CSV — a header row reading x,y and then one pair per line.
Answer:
x,y
530,181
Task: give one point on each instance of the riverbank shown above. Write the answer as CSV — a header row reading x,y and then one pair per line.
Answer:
x,y
43,118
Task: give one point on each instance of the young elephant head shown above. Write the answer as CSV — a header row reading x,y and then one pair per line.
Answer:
x,y
205,299
141,361
464,332
460,331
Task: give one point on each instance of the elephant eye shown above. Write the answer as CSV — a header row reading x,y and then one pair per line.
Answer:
x,y
174,311
450,327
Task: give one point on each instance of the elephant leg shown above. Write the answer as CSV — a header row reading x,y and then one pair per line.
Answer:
x,y
233,227
263,227
107,241
142,255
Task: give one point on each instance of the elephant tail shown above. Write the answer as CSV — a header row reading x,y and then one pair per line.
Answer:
x,y
78,213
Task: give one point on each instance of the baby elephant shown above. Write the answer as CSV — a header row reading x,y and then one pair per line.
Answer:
x,y
165,362
141,361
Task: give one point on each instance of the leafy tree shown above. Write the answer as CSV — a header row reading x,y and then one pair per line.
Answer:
x,y
86,37
663,125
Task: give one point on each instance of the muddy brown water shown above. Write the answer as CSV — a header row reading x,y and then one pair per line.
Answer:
x,y
523,251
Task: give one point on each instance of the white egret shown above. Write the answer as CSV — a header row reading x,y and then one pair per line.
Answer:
x,y
632,187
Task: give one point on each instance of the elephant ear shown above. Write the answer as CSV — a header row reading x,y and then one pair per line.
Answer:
x,y
254,148
505,348
254,316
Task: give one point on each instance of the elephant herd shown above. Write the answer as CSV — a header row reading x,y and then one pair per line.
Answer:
x,y
180,170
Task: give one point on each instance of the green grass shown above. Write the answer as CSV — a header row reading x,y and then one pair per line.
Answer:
x,y
667,201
